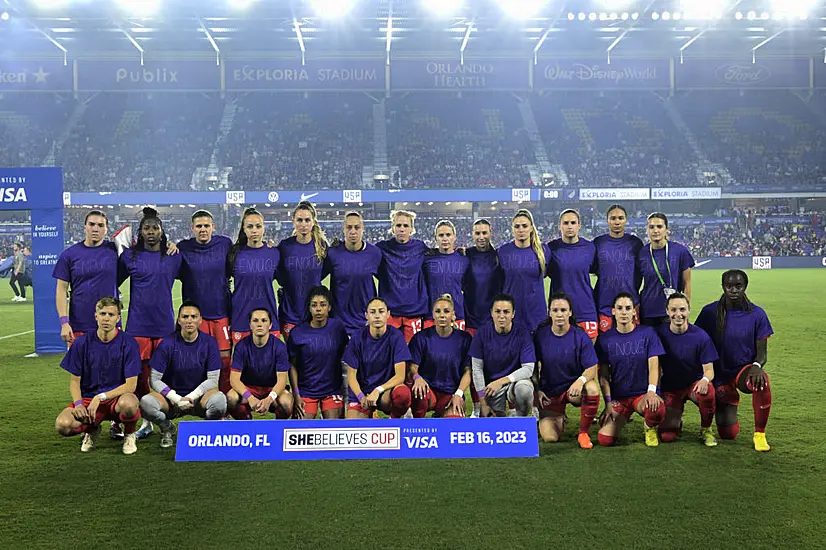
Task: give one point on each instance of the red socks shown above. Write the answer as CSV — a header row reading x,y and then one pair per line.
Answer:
x,y
129,422
707,404
400,401
241,412
654,418
728,432
761,402
223,377
588,412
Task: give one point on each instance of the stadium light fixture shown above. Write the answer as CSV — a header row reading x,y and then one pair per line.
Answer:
x,y
703,9
615,4
794,8
332,8
655,15
139,8
635,16
522,9
49,4
581,16
571,16
592,16
300,37
624,16
4,16
443,8
666,16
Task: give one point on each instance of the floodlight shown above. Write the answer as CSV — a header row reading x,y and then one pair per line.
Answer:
x,y
522,9
655,15
794,8
666,16
635,16
704,9
624,16
571,16
332,8
581,16
738,15
592,16
443,8
139,8
603,16
676,16
4,16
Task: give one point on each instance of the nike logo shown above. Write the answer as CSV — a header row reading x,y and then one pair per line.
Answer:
x,y
698,264
305,197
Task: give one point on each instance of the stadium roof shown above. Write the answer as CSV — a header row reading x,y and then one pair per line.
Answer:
x,y
106,28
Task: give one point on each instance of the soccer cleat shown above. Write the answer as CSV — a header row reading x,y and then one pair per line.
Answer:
x,y
130,444
760,443
584,441
651,438
708,437
168,436
474,414
116,431
145,430
408,414
21,299
89,440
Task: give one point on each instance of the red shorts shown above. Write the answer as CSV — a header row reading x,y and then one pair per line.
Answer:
x,y
261,392
327,403
676,399
408,325
437,401
286,328
727,393
558,403
460,324
607,321
147,346
591,328
238,336
106,410
218,329
627,406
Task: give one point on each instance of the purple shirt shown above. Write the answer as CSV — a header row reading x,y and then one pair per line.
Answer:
x,y
375,358
617,270
351,282
570,268
525,282
738,346
92,274
151,276
205,275
102,366
316,354
298,271
260,366
443,273
442,361
253,274
185,364
502,353
652,297
628,356
401,281
564,358
685,355
483,281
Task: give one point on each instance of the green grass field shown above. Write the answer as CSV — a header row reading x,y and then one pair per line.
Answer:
x,y
681,495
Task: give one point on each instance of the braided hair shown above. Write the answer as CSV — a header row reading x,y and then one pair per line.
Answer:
x,y
722,305
149,215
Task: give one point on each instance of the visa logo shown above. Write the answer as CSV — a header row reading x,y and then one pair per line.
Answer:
x,y
11,194
236,197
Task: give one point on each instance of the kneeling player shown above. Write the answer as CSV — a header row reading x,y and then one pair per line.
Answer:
x,y
687,371
184,376
104,365
316,348
376,359
567,371
628,359
440,364
259,372
740,331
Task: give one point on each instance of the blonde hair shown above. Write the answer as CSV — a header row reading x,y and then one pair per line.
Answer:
x,y
396,213
108,301
446,297
536,244
319,239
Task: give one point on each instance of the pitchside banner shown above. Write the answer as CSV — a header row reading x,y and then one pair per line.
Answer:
x,y
620,74
619,194
685,193
33,76
290,74
450,74
40,190
766,73
110,76
357,439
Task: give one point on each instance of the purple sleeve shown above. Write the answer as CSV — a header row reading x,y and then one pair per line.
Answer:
x,y
528,353
686,260
351,354
587,353
71,361
238,353
160,358
655,347
292,348
708,353
213,355
706,320
61,269
400,351
477,349
131,358
282,362
762,328
416,349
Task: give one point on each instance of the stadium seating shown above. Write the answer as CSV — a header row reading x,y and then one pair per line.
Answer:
x,y
28,126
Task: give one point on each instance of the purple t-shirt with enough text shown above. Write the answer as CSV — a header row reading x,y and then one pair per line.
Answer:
x,y
483,281
102,366
375,358
617,270
442,360
443,274
205,275
351,282
570,268
186,364
151,276
92,274
628,355
564,358
525,281
685,355
253,274
299,270
502,354
316,354
260,366
401,280
652,297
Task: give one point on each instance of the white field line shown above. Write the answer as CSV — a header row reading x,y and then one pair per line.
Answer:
x,y
15,335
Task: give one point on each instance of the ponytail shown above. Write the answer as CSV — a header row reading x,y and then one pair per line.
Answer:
x,y
536,244
319,239
242,238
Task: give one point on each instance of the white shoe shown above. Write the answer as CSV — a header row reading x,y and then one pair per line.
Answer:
x,y
474,414
21,299
130,444
168,436
408,414
145,430
89,440
16,299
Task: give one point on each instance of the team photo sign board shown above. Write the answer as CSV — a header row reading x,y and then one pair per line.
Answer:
x,y
217,440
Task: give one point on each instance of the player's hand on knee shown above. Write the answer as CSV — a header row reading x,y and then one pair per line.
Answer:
x,y
80,414
544,400
372,399
701,388
756,379
492,388
420,388
92,409
608,415
264,405
298,407
185,404
576,388
652,402
456,407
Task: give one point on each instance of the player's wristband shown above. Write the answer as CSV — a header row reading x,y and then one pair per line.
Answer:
x,y
652,388
607,399
416,377
360,396
274,395
102,396
380,389
64,320
77,403
582,379
705,378
480,393
459,393
246,396
758,365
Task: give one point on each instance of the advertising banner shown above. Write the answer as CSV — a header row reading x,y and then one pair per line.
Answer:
x,y
621,194
169,76
33,76
761,262
720,73
450,74
620,74
686,193
317,75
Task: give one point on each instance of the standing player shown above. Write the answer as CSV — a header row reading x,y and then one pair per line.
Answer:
x,y
205,281
523,262
401,280
259,372
503,359
352,266
688,370
315,348
740,330
444,271
616,265
567,373
483,280
301,264
440,365
628,360
376,359
17,274
665,268
570,263
151,273
104,365
253,267
185,371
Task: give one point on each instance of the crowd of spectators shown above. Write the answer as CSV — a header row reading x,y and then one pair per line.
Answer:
x,y
27,127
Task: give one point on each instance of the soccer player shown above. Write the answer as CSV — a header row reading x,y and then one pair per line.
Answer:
x,y
523,262
185,371
688,370
352,266
616,265
440,365
104,364
567,371
740,330
401,280
17,274
444,271
665,267
483,280
628,360
570,263
315,348
301,264
503,359
259,372
253,266
151,272
205,281
376,359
